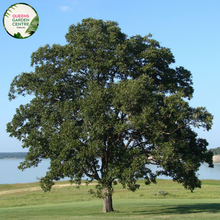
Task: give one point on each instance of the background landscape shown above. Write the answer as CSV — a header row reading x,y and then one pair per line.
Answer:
x,y
190,28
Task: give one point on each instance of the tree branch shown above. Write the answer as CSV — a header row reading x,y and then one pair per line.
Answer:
x,y
87,174
93,175
88,122
181,126
119,136
96,173
131,139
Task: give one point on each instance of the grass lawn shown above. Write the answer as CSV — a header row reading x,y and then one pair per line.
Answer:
x,y
164,200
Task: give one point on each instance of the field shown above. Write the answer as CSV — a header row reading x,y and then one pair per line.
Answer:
x,y
164,200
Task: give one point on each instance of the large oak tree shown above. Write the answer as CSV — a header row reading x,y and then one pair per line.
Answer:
x,y
106,106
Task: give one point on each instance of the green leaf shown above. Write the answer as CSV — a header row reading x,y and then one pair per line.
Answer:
x,y
33,25
7,12
18,35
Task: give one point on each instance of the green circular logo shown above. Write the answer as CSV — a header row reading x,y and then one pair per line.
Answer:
x,y
20,20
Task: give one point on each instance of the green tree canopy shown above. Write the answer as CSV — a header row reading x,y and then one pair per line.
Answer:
x,y
215,151
106,106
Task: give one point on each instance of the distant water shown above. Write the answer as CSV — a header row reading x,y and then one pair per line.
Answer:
x,y
9,173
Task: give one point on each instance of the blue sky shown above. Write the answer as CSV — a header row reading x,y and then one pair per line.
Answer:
x,y
190,28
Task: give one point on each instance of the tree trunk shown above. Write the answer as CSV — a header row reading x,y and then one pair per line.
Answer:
x,y
107,202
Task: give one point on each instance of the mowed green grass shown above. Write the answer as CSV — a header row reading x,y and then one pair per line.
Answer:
x,y
72,203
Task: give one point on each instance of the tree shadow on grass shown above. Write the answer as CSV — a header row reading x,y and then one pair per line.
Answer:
x,y
182,209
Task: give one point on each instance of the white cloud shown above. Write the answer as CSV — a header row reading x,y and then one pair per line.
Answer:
x,y
65,8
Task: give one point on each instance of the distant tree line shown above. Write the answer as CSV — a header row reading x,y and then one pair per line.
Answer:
x,y
15,155
21,155
215,151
